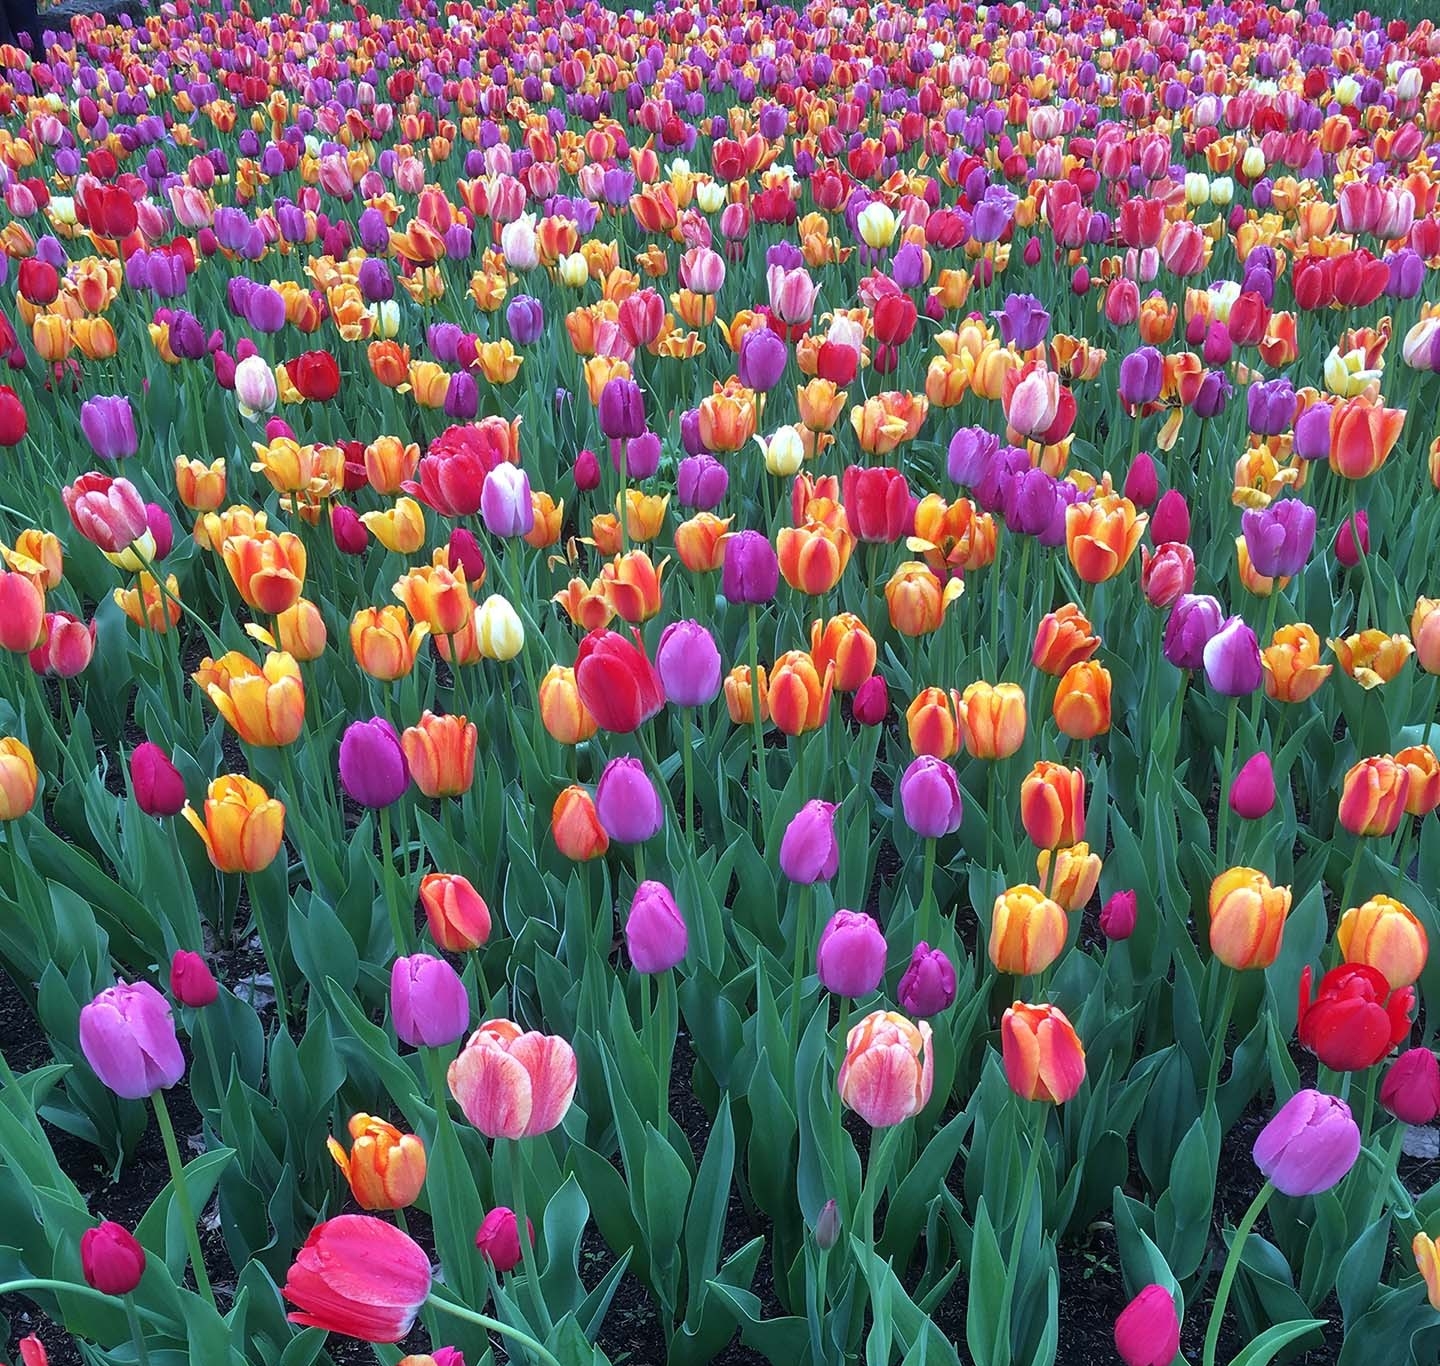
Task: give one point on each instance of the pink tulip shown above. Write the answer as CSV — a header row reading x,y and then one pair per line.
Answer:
x,y
513,1084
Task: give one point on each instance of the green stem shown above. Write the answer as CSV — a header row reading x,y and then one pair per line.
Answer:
x,y
755,721
1217,1042
797,968
137,1334
927,893
837,1111
1232,1265
1257,701
517,1167
202,1025
687,758
1022,1220
490,1325
182,1195
1390,1164
882,1159
1227,763
1364,558
387,879
28,1283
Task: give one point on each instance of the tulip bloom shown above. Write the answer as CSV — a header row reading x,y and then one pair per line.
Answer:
x,y
1247,918
372,763
1027,931
656,936
1355,1018
575,827
931,724
797,696
428,1002
1371,657
111,1259
1052,805
930,797
1362,435
688,663
562,713
1044,1059
850,959
19,779
191,981
1147,1333
1064,638
844,642
127,1034
992,719
456,913
268,570
1427,1263
1076,875
889,1068
1082,701
440,753
359,1276
243,827
1293,671
627,802
513,1084
1411,1089
1423,795
928,985
498,1241
1384,934
1373,798
384,1167
1309,1145
1101,536
616,681
808,850
1253,793
263,704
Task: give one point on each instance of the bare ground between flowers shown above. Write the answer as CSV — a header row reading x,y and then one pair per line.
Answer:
x,y
1091,1286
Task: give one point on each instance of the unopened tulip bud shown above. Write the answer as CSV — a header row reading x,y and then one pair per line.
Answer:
x,y
1117,915
1411,1089
498,1238
872,701
656,935
827,1226
851,957
928,985
808,851
191,981
627,803
1252,794
1147,1333
1353,539
156,782
111,1259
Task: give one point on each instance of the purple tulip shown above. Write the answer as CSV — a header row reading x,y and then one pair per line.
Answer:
x,y
1142,373
622,409
702,482
690,439
109,426
505,503
1193,619
1310,1144
1024,321
750,572
525,317
627,803
1212,395
1028,501
377,284
688,662
928,985
1270,406
373,770
656,936
761,361
642,455
1312,432
808,850
930,797
127,1034
1117,915
1232,659
970,453
851,955
462,396
1280,537
908,267
428,1002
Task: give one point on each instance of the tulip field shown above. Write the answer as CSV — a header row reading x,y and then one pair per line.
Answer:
x,y
720,682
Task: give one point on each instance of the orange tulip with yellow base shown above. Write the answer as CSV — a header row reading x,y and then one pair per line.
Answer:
x,y
992,719
1247,918
1027,931
440,751
384,1167
243,826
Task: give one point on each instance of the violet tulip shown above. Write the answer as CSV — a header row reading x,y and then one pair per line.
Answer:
x,y
851,955
1193,621
1309,1145
428,1002
808,850
688,663
1280,537
505,503
751,571
627,803
656,936
928,984
930,797
373,771
702,482
127,1034
109,426
1232,659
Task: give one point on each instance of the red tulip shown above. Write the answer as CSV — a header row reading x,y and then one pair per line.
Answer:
x,y
617,682
1355,1019
878,504
315,374
359,1276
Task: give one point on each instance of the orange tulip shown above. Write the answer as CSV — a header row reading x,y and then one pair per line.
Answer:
x,y
1082,701
1064,638
1027,931
243,827
1044,1059
820,403
644,514
1076,875
727,417
1247,918
389,462
587,605
740,698
798,694
564,715
19,779
385,1168
992,719
1292,664
1101,536
1052,805
458,918
1372,658
953,536
440,751
631,585
267,570
263,705
889,1068
846,643
384,643
1373,797
200,487
1424,793
1425,632
37,555
700,542
549,519
437,596
147,606
1386,935
917,600
931,723
1362,436
575,826
813,556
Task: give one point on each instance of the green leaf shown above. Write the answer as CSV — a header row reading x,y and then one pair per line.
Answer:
x,y
1272,1341
160,1230
705,1223
987,1288
1360,1270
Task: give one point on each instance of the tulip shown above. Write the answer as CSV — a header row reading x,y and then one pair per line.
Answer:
x,y
512,1084
1082,701
191,981
498,1239
109,427
1052,805
1102,535
1411,1088
428,1002
992,719
1063,639
22,613
575,826
359,1276
656,936
1292,665
621,409
127,1034
156,783
1355,1019
373,771
505,502
1076,875
111,515
1232,659
1352,541
111,1259
808,850
243,827
845,643
888,1072
384,1167
1118,914
627,802
263,705
751,569
797,695
432,594
1171,519
872,702
931,724
1194,621
930,797
1247,918
616,681
564,716
1280,537
1252,794
1309,1145
927,986
688,663
1373,798
456,913
440,754
850,959
1043,1057
1027,931
1147,1333
1384,934
1427,1263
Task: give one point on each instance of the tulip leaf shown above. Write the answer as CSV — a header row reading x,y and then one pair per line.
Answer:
x,y
987,1293
1274,1340
160,1231
1357,1280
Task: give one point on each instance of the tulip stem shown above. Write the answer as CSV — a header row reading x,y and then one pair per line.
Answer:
x,y
1227,757
27,1284
1217,1045
797,968
837,1116
387,880
1232,1265
687,758
927,894
137,1334
182,1195
1258,699
1389,1164
755,720
517,1166
1363,557
517,1335
1022,1219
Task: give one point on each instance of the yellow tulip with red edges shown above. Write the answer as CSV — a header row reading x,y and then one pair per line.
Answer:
x,y
385,1168
384,642
992,719
845,642
263,704
243,826
1101,536
798,694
